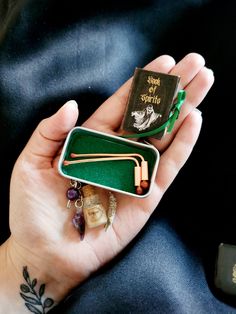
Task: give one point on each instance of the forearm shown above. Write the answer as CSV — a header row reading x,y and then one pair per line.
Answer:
x,y
24,288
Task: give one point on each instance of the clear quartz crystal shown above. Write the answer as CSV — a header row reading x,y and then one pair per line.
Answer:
x,y
94,212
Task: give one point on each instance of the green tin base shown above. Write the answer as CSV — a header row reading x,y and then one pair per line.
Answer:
x,y
114,175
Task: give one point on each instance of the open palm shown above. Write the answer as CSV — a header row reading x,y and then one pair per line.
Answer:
x,y
42,233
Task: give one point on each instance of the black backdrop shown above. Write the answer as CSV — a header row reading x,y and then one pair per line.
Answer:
x,y
53,51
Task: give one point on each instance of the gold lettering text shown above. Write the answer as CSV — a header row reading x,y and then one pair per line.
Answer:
x,y
153,81
150,99
152,89
234,274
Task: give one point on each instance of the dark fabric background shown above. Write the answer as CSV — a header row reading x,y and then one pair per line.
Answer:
x,y
53,51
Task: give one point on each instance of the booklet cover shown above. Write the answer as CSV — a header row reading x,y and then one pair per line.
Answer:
x,y
150,101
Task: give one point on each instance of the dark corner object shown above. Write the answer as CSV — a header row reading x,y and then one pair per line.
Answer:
x,y
225,271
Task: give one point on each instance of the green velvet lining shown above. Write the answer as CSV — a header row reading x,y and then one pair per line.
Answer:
x,y
114,174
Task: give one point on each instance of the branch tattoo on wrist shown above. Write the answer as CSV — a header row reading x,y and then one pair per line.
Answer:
x,y
34,300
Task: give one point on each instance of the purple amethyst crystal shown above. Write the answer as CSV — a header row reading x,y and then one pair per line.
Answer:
x,y
79,224
73,194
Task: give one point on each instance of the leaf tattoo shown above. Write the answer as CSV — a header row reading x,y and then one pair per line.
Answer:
x,y
41,290
33,299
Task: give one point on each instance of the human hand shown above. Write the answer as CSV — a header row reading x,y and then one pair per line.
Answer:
x,y
42,235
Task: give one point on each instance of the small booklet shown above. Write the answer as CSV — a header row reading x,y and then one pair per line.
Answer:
x,y
150,101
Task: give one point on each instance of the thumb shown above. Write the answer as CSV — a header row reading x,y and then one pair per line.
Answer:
x,y
50,134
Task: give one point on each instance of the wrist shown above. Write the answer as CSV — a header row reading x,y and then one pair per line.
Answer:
x,y
24,284
9,285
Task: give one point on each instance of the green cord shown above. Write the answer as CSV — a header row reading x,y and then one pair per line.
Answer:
x,y
169,124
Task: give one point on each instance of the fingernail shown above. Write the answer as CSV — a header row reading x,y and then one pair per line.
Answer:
x,y
72,103
210,70
198,111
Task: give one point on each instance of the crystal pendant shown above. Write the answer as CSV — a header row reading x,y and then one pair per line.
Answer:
x,y
79,223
